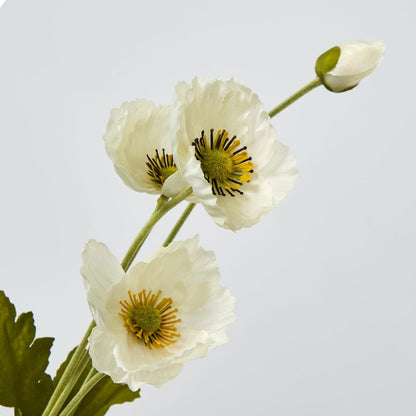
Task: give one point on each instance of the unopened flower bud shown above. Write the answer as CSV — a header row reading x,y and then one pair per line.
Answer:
x,y
342,67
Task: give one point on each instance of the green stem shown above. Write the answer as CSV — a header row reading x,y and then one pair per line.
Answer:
x,y
179,224
68,377
74,403
91,373
315,83
83,362
163,206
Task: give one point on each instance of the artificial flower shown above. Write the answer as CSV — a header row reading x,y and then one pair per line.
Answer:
x,y
164,311
342,67
225,148
137,141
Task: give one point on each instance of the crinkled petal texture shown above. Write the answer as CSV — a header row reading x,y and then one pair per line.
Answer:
x,y
356,61
135,130
229,105
184,272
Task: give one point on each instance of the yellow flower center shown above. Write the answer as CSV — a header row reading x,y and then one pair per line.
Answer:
x,y
226,165
151,321
160,167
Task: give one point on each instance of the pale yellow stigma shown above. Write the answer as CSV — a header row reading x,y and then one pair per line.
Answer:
x,y
160,167
226,166
151,321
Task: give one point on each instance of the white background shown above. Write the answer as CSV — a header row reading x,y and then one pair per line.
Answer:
x,y
325,284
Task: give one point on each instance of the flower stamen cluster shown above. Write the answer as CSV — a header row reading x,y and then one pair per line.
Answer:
x,y
160,167
149,321
225,166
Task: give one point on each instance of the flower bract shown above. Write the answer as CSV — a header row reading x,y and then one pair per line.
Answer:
x,y
342,67
164,311
225,148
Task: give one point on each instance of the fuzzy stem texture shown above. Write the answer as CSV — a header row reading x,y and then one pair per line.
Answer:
x,y
163,206
315,83
69,377
74,403
179,224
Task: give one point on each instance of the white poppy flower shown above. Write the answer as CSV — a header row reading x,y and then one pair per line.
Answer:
x,y
137,141
343,67
164,311
226,149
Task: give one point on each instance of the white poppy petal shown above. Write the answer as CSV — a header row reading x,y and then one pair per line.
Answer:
x,y
157,377
102,343
135,132
103,351
174,185
100,270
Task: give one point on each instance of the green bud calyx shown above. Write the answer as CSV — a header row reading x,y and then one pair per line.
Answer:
x,y
327,61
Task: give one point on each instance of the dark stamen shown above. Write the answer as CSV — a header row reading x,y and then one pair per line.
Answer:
x,y
239,150
245,160
229,143
218,142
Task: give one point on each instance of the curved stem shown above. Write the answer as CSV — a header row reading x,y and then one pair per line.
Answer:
x,y
164,205
68,376
71,383
179,224
74,403
141,237
315,83
91,373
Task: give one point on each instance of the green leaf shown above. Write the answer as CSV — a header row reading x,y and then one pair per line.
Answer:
x,y
101,397
23,359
